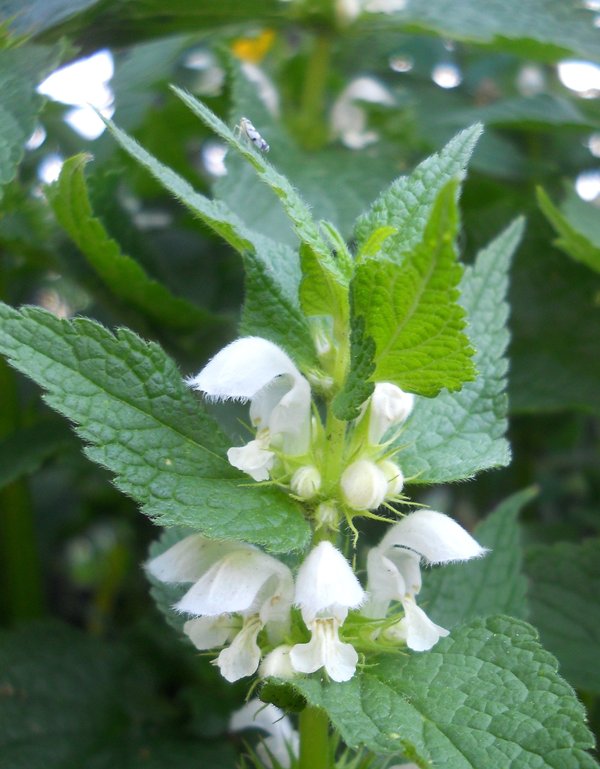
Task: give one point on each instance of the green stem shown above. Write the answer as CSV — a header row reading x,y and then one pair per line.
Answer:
x,y
312,129
314,739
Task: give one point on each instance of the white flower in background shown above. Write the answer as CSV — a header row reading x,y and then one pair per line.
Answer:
x,y
364,485
349,120
282,742
252,368
394,573
237,591
326,588
389,407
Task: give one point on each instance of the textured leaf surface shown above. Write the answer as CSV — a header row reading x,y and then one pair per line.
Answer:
x,y
142,423
407,203
539,28
71,701
294,206
456,435
570,240
486,696
459,592
563,594
271,307
122,275
411,311
358,386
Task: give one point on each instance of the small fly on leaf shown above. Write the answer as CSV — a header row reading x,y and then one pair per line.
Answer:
x,y
245,127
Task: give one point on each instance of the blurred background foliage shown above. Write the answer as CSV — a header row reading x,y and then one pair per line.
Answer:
x,y
349,95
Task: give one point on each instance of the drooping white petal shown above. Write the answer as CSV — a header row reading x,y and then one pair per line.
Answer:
x,y
325,650
326,584
243,368
363,485
253,458
283,406
283,739
390,407
241,657
210,632
235,583
187,560
435,536
419,632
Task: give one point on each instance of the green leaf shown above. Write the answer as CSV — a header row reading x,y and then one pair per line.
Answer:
x,y
545,29
122,275
487,696
294,206
459,592
67,700
573,242
22,452
411,311
553,365
563,594
359,385
456,435
407,204
29,17
142,423
323,289
273,271
21,69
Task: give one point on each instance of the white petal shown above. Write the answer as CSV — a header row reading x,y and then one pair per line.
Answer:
x,y
435,536
385,583
326,584
394,477
243,368
408,564
325,650
235,584
241,657
188,559
390,407
420,633
252,459
210,632
277,663
363,485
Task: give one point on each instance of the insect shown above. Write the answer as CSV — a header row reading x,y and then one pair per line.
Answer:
x,y
245,127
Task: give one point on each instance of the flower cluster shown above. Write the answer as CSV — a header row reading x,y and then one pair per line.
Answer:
x,y
249,604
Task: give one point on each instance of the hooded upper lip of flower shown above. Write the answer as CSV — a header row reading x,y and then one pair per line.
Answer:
x,y
255,369
394,573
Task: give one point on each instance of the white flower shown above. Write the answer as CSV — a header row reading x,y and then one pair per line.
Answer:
x,y
394,574
283,741
389,407
326,588
230,578
364,485
254,458
252,368
393,475
348,118
277,663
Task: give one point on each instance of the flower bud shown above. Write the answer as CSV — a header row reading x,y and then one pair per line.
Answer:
x,y
394,477
390,406
306,482
364,485
277,663
327,515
